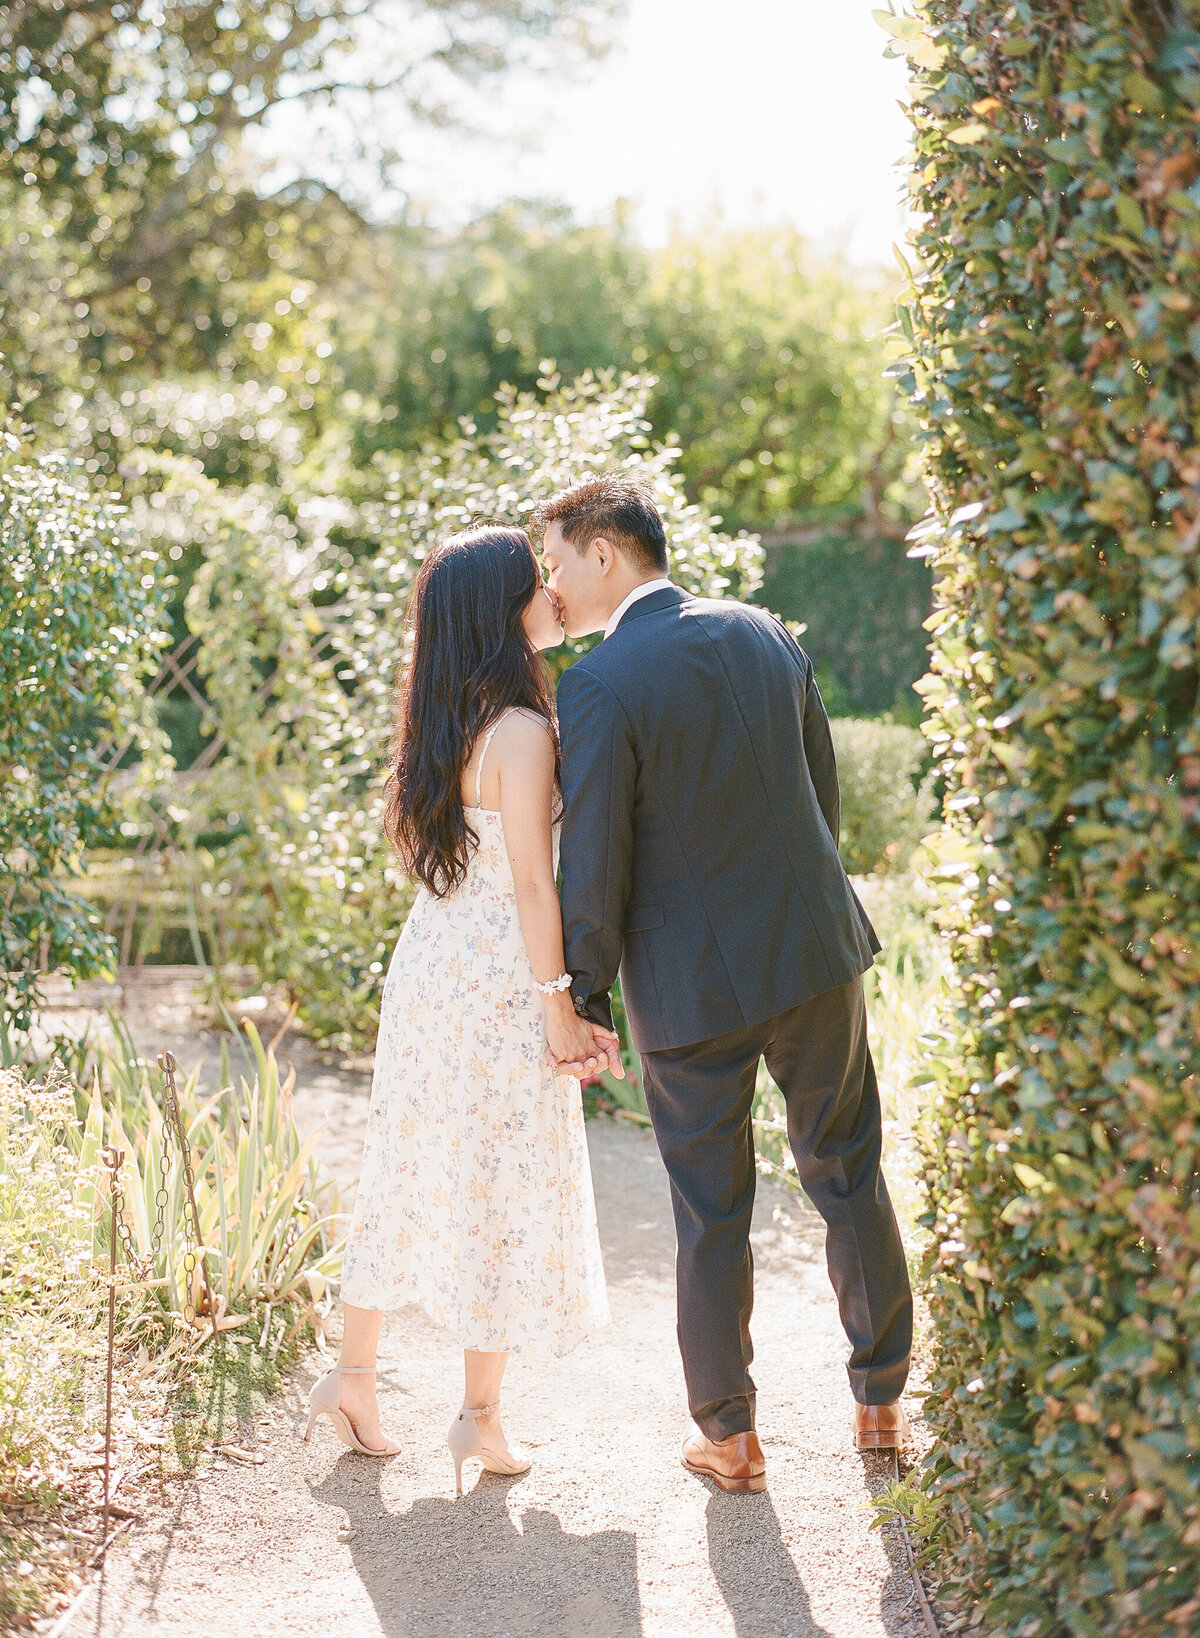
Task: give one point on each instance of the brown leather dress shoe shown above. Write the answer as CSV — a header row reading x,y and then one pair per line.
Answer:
x,y
736,1463
880,1427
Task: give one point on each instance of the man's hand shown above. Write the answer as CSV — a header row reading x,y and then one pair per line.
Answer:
x,y
604,1053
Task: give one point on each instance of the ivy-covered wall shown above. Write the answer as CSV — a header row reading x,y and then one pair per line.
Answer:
x,y
1054,332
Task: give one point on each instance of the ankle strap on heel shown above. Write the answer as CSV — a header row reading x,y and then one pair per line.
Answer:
x,y
356,1370
483,1410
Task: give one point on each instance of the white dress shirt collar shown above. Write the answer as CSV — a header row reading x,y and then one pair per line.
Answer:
x,y
635,596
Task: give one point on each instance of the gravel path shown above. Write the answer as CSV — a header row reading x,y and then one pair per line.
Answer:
x,y
607,1537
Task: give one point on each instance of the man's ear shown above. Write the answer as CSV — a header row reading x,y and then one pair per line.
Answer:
x,y
606,553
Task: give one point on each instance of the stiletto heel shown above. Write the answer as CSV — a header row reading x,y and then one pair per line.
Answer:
x,y
325,1399
465,1441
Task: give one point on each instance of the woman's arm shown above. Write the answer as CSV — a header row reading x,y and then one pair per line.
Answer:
x,y
525,766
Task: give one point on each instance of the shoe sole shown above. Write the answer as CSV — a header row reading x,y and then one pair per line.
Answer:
x,y
755,1483
878,1441
491,1465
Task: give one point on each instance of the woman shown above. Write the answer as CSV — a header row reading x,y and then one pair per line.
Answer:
x,y
475,1197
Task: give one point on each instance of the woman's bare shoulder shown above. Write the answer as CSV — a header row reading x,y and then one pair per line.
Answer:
x,y
535,718
525,738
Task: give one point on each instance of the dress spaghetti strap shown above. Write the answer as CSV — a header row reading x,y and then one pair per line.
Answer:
x,y
487,740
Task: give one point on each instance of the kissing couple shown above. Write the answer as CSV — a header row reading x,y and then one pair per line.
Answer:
x,y
686,792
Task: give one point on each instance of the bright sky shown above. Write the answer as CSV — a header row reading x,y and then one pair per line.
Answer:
x,y
766,110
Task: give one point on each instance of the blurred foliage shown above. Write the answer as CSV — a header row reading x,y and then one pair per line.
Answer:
x,y
137,125
767,362
766,356
863,604
768,373
887,793
1053,341
81,628
463,315
387,348
39,333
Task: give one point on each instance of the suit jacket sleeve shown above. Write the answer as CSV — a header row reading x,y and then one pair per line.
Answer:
x,y
818,752
818,741
599,781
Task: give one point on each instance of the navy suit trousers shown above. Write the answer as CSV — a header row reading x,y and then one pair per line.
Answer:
x,y
700,1100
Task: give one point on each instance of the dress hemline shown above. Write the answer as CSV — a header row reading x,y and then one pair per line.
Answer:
x,y
533,1346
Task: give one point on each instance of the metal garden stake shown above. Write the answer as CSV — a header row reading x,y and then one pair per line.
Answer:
x,y
166,1063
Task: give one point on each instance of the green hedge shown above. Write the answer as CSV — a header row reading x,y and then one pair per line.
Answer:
x,y
863,604
1055,330
887,799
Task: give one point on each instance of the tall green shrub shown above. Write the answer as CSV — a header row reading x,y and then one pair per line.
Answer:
x,y
765,353
1054,325
78,627
887,798
863,605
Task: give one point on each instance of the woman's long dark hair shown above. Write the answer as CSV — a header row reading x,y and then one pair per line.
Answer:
x,y
469,660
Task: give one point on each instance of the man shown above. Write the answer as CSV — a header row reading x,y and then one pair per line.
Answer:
x,y
699,857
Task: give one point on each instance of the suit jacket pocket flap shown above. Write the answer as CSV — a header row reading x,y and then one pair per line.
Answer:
x,y
642,917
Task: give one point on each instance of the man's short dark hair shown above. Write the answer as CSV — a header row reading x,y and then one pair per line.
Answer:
x,y
620,508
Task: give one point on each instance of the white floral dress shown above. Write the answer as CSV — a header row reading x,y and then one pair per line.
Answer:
x,y
475,1197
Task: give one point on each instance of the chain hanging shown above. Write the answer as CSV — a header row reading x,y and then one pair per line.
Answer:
x,y
194,1261
140,1267
193,1255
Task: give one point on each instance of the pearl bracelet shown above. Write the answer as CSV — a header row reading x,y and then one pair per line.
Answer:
x,y
562,982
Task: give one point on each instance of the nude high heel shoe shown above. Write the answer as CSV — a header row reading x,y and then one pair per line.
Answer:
x,y
325,1399
466,1442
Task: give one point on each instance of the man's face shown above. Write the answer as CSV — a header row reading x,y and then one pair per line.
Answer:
x,y
577,580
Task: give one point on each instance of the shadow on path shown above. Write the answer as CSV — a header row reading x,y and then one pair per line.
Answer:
x,y
466,1566
633,1205
897,1597
754,1570
150,1575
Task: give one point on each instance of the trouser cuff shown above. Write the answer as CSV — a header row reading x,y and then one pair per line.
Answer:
x,y
879,1387
722,1418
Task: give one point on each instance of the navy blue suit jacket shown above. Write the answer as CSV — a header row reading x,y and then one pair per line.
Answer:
x,y
700,825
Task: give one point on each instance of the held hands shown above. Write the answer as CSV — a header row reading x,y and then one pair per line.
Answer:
x,y
579,1047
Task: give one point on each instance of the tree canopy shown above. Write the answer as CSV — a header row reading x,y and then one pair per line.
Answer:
x,y
137,123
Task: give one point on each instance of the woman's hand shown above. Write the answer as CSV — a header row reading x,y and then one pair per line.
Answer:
x,y
572,1043
577,1046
